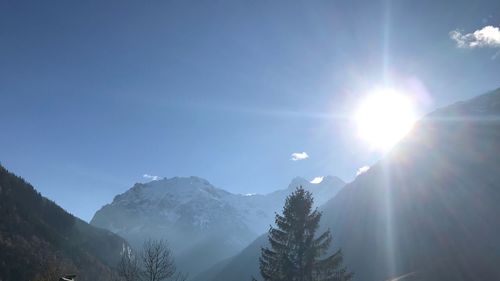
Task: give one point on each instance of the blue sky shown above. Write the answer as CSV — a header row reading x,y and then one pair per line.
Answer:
x,y
95,94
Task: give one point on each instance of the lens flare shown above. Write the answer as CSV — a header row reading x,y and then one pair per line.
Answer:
x,y
384,117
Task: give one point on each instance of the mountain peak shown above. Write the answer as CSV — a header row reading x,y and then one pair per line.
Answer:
x,y
190,206
332,179
297,182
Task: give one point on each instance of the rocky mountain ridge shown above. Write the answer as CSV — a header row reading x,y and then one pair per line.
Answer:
x,y
194,216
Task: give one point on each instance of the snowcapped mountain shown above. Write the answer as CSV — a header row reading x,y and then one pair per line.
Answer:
x,y
202,223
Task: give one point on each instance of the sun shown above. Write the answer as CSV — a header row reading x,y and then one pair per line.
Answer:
x,y
384,117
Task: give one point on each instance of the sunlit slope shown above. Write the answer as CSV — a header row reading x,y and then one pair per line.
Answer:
x,y
429,210
37,236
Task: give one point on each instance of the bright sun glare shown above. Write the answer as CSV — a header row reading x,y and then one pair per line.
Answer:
x,y
384,117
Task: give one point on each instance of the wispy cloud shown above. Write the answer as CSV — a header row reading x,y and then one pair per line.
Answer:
x,y
150,177
296,156
488,36
361,170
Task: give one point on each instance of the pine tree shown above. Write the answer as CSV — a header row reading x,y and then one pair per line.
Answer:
x,y
296,254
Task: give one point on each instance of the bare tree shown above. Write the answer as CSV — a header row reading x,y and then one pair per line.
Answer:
x,y
158,263
128,268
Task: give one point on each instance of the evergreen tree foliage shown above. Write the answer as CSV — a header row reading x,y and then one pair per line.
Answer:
x,y
296,253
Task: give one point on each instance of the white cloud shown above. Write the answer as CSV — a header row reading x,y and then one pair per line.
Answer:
x,y
150,177
362,170
317,180
296,156
488,36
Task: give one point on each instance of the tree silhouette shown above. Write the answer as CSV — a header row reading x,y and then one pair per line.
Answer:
x,y
296,254
155,263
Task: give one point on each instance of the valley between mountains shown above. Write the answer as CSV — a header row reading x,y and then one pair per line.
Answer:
x,y
428,210
203,224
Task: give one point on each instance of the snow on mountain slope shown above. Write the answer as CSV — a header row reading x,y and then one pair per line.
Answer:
x,y
202,223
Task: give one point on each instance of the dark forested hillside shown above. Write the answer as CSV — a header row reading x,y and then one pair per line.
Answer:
x,y
39,238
